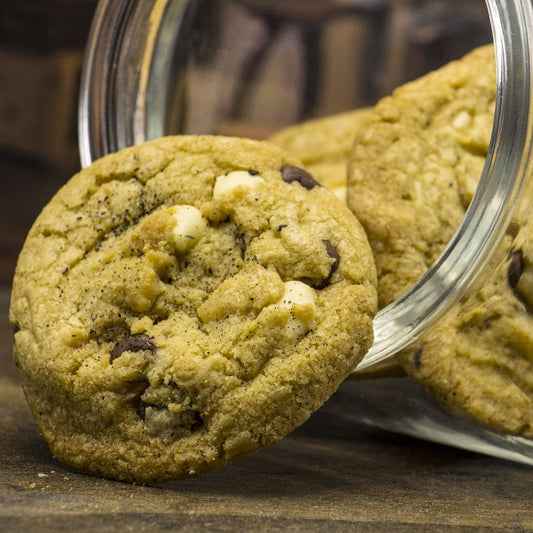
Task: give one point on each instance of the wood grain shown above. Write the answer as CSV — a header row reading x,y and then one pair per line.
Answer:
x,y
326,476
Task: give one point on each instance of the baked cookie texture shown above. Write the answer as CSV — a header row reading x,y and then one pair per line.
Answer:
x,y
324,145
415,167
182,303
412,173
478,361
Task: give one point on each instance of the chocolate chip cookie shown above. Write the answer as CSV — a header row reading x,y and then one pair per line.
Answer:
x,y
412,174
182,303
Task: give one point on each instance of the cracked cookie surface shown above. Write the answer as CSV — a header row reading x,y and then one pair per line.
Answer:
x,y
182,303
413,172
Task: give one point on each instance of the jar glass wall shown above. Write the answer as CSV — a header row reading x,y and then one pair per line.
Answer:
x,y
250,67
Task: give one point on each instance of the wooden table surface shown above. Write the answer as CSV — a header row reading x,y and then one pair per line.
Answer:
x,y
326,476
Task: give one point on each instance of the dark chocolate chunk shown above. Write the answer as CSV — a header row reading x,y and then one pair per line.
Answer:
x,y
332,252
132,343
417,361
290,173
516,267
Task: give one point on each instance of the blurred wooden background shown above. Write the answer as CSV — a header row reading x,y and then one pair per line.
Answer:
x,y
41,54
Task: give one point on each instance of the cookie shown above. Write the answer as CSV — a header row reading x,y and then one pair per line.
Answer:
x,y
478,360
415,167
182,303
323,145
412,174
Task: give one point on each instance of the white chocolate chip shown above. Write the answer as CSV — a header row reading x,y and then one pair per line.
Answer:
x,y
189,228
300,299
229,184
298,294
462,120
340,192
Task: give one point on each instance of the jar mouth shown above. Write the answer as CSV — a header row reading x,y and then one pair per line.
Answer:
x,y
111,118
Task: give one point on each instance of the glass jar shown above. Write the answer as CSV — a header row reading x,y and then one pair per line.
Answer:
x,y
250,67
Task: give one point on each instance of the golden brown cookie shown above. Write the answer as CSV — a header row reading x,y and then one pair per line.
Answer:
x,y
478,360
182,303
413,171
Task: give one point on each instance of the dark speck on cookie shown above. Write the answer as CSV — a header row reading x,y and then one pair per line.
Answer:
x,y
290,173
417,357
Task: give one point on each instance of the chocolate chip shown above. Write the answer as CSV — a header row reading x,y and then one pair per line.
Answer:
x,y
290,173
516,267
253,172
332,252
132,343
281,226
417,357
